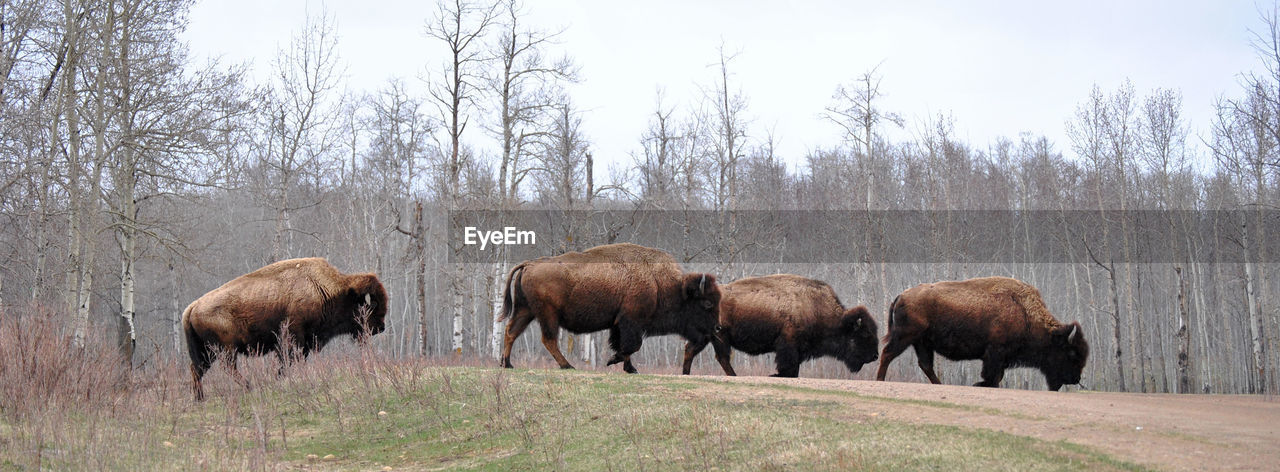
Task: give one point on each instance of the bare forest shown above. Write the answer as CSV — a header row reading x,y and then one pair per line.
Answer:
x,y
133,179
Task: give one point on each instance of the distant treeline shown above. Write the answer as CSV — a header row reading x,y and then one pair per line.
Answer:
x,y
134,179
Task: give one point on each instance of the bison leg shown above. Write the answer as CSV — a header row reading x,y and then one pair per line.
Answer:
x,y
233,369
201,358
691,350
515,327
551,340
198,368
891,350
788,360
625,339
924,357
723,352
992,369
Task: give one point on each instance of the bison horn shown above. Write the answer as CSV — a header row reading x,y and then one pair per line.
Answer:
x,y
1071,330
366,299
701,283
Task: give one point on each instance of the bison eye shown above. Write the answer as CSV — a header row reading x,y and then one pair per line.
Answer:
x,y
707,304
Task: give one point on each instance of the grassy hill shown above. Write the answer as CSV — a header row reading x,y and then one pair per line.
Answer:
x,y
371,413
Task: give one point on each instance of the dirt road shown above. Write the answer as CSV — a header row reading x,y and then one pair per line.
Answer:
x,y
1163,431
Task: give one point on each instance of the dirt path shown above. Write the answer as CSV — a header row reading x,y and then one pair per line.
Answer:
x,y
1167,432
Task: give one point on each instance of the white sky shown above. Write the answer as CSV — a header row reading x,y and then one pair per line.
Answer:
x,y
998,67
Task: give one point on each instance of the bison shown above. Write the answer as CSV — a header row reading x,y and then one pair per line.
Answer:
x,y
1000,320
310,296
795,317
632,291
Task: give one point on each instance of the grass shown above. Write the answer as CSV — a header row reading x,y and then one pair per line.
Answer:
x,y
368,412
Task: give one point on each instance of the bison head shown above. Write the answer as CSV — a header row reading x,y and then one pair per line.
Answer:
x,y
369,300
1065,356
701,304
856,343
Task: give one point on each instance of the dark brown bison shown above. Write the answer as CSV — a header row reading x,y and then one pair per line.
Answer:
x,y
1000,320
632,291
795,317
310,296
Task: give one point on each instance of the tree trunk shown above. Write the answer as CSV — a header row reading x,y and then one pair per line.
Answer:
x,y
1184,336
175,309
1115,317
127,337
1257,338
499,288
69,98
460,299
420,237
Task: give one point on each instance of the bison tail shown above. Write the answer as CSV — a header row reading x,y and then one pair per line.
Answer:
x,y
195,346
888,331
511,295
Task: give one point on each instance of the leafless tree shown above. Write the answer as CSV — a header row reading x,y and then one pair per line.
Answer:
x,y
460,25
162,129
298,120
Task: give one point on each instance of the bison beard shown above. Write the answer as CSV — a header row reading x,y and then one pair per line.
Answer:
x,y
999,320
632,291
795,317
308,297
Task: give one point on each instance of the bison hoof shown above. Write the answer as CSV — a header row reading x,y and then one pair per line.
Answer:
x,y
614,360
631,370
566,366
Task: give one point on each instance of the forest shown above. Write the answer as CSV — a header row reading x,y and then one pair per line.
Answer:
x,y
134,178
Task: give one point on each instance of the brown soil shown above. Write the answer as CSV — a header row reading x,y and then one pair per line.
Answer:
x,y
1162,431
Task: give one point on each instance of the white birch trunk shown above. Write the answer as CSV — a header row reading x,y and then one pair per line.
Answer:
x,y
499,287
128,286
175,309
458,284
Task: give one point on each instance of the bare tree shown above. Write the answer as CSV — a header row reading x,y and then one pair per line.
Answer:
x,y
460,25
397,152
1088,134
1163,145
857,112
563,162
165,122
658,164
727,132
82,204
524,81
297,120
1260,110
1242,145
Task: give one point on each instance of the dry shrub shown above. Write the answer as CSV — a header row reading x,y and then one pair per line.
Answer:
x,y
41,368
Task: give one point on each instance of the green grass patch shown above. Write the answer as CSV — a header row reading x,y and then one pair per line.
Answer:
x,y
409,415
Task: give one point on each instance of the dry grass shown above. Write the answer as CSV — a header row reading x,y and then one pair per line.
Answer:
x,y
66,408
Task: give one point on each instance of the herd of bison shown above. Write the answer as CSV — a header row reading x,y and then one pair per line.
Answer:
x,y
635,291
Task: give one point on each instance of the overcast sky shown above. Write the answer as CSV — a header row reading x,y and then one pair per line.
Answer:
x,y
998,67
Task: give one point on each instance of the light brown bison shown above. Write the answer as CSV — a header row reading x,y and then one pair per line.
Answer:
x,y
1000,320
310,296
795,317
632,291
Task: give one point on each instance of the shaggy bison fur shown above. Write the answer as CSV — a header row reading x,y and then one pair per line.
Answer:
x,y
999,320
632,291
796,318
310,296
